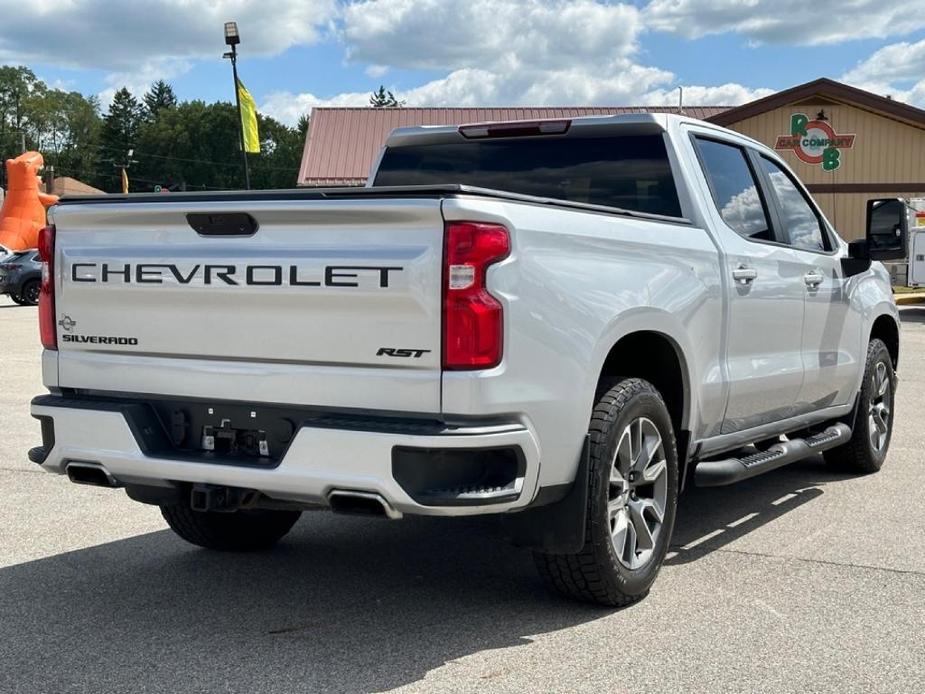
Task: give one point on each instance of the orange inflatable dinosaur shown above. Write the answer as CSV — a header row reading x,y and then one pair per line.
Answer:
x,y
23,211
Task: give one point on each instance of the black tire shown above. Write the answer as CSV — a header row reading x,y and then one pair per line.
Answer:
x,y
29,296
240,531
597,573
861,455
17,299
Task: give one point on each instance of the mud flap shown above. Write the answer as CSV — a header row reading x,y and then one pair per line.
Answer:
x,y
558,526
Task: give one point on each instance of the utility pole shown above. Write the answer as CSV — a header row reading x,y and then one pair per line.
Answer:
x,y
49,179
232,38
124,169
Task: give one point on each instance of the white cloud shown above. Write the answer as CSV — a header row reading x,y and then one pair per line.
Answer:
x,y
729,94
897,70
376,71
787,21
486,52
493,34
119,35
287,107
507,53
140,79
636,86
137,42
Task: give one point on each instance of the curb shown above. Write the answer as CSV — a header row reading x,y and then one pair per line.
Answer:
x,y
909,299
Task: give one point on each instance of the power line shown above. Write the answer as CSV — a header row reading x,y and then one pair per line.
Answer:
x,y
196,161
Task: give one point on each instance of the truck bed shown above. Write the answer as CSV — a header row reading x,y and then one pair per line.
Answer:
x,y
353,193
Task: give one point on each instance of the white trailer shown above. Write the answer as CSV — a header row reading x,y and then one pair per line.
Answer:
x,y
916,274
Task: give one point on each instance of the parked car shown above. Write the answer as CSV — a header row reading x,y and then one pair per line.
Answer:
x,y
560,322
21,277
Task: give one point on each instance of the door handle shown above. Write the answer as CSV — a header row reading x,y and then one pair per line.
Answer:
x,y
813,279
744,274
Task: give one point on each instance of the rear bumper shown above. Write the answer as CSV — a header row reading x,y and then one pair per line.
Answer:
x,y
331,454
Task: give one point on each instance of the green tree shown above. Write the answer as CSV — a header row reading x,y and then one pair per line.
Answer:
x,y
182,145
195,146
18,88
381,98
277,165
302,125
118,135
64,127
158,97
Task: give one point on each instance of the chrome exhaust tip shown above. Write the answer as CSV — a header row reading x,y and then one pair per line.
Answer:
x,y
91,474
357,503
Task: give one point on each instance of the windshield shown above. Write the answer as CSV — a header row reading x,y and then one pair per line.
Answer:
x,y
631,172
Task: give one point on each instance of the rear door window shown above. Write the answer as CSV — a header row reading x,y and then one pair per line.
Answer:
x,y
631,172
735,189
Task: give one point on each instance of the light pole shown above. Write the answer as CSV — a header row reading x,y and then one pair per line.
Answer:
x,y
232,38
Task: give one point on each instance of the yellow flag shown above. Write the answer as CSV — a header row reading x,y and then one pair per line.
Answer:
x,y
249,120
124,181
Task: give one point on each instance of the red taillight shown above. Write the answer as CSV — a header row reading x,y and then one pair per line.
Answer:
x,y
47,295
473,320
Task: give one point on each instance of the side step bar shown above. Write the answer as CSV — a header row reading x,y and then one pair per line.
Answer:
x,y
717,473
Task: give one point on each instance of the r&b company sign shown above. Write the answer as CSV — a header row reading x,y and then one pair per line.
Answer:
x,y
815,141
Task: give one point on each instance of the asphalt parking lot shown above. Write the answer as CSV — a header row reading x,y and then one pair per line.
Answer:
x,y
801,580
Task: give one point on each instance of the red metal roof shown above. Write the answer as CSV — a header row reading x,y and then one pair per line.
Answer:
x,y
343,143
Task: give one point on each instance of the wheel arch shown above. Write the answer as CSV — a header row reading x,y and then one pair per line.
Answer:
x,y
886,328
658,358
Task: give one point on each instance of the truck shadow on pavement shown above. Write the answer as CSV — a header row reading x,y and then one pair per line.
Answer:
x,y
342,604
710,519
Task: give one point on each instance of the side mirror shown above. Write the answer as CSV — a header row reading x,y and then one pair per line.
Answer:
x,y
887,229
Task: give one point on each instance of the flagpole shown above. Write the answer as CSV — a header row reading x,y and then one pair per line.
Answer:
x,y
237,98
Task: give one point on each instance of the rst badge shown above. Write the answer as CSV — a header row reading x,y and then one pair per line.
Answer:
x,y
401,352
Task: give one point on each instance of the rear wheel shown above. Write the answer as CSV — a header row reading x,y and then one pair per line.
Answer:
x,y
237,531
30,293
873,422
632,499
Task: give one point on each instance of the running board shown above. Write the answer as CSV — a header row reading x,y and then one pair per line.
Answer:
x,y
717,473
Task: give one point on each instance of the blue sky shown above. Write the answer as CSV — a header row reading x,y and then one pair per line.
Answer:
x,y
296,55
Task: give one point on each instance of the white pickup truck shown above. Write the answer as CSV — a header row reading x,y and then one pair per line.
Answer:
x,y
561,322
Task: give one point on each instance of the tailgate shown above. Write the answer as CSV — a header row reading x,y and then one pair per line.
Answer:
x,y
329,302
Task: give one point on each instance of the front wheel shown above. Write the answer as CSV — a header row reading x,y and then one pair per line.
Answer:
x,y
633,478
239,531
873,422
17,299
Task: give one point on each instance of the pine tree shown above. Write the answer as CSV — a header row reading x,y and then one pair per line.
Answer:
x,y
302,126
120,129
384,99
160,96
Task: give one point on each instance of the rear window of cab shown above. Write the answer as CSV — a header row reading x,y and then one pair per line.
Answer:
x,y
631,172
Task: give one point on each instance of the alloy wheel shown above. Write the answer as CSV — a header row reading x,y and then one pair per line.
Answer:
x,y
637,492
878,419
